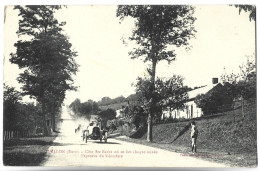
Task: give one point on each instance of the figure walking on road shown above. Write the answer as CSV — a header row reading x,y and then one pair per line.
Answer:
x,y
194,136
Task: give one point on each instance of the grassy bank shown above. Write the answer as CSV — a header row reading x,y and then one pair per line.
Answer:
x,y
221,139
26,151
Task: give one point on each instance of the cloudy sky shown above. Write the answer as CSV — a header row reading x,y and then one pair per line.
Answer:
x,y
223,39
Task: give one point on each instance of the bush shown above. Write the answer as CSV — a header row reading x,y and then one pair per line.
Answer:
x,y
217,100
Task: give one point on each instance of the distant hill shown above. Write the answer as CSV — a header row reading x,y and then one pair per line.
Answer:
x,y
116,103
115,106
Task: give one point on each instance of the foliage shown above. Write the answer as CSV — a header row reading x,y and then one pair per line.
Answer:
x,y
156,27
248,8
173,92
11,95
17,115
105,101
106,115
44,53
132,97
10,106
135,115
111,125
168,93
242,84
28,117
247,83
158,30
216,100
144,95
84,109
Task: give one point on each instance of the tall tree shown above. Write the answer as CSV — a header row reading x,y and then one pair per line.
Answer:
x,y
173,92
75,106
243,84
45,54
158,30
17,115
11,99
84,109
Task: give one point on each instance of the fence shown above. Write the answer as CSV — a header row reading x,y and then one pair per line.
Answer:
x,y
219,111
15,134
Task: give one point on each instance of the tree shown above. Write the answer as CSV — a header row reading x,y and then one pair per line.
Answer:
x,y
106,115
132,98
17,115
209,103
84,109
135,114
12,95
105,101
243,84
75,106
173,92
45,54
12,99
248,8
158,30
119,99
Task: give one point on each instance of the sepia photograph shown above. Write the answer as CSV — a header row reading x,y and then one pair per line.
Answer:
x,y
124,85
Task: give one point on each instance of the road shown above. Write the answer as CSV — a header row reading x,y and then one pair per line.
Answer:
x,y
69,150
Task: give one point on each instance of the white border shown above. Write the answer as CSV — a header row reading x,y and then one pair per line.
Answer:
x,y
104,2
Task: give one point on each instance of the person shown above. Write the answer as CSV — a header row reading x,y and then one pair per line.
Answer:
x,y
194,136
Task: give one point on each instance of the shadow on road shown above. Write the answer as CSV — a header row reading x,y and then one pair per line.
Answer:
x,y
66,144
97,142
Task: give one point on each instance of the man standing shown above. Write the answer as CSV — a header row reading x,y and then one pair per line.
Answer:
x,y
194,136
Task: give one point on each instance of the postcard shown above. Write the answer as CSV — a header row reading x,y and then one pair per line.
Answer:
x,y
130,86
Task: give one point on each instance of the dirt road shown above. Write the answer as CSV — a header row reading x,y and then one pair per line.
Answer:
x,y
69,150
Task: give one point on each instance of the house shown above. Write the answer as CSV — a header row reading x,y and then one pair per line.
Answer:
x,y
119,113
191,110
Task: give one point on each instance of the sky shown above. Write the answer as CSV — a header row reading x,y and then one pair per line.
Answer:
x,y
223,39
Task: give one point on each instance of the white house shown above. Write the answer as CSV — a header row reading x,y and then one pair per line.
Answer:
x,y
119,113
191,110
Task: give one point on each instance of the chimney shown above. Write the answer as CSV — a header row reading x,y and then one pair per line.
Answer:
x,y
214,80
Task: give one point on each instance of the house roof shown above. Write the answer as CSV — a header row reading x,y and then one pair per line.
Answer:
x,y
203,90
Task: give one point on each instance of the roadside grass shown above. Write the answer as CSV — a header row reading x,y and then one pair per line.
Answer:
x,y
221,139
232,160
26,151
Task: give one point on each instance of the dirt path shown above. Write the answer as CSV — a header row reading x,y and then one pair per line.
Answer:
x,y
69,150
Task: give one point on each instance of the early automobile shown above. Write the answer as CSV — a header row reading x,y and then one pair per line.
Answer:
x,y
95,132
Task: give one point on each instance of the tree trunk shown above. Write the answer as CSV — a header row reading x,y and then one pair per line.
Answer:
x,y
152,105
242,106
35,124
45,128
175,112
149,130
53,117
233,106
